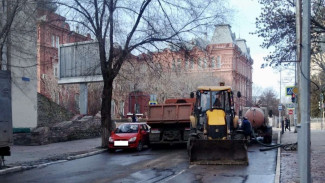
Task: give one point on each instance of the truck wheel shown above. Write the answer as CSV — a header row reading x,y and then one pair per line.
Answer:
x,y
140,146
189,145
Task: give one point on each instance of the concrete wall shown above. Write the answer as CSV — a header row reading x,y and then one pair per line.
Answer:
x,y
22,63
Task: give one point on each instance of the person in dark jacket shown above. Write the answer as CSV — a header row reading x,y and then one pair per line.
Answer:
x,y
134,118
287,122
247,128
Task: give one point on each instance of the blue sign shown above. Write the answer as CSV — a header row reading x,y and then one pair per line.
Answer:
x,y
280,107
153,102
25,79
289,91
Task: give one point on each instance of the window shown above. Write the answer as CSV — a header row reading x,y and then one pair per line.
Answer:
x,y
53,41
173,65
137,108
218,62
179,64
112,108
199,63
57,41
186,63
122,108
192,63
204,63
55,70
213,62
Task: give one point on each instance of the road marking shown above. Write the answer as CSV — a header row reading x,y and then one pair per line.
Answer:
x,y
191,166
170,178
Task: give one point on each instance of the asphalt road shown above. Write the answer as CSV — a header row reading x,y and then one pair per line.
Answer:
x,y
168,164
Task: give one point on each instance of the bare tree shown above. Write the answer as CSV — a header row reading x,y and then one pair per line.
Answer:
x,y
7,15
268,99
138,26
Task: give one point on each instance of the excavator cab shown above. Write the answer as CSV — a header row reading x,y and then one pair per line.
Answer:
x,y
214,139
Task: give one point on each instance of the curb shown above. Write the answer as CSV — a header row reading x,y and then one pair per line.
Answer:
x,y
278,161
22,168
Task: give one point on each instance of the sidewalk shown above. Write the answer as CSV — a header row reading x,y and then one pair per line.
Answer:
x,y
289,159
26,157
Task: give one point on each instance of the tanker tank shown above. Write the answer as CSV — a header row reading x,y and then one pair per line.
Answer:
x,y
260,122
256,116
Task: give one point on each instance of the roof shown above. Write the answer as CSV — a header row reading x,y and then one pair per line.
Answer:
x,y
214,88
241,43
223,34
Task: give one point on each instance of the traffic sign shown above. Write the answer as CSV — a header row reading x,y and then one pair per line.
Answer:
x,y
290,112
295,90
289,90
280,107
290,105
153,102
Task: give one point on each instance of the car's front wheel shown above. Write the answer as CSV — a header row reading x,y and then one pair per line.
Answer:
x,y
140,146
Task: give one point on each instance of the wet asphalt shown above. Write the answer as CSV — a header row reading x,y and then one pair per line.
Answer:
x,y
166,164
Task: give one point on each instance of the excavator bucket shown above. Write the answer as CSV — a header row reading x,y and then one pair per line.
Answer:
x,y
218,152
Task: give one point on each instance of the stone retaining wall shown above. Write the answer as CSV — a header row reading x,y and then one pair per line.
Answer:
x,y
86,127
49,112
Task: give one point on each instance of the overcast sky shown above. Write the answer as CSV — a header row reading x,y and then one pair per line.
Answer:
x,y
242,24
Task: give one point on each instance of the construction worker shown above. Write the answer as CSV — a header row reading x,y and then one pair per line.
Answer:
x,y
247,128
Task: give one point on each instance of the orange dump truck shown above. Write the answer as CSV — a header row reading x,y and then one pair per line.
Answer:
x,y
170,122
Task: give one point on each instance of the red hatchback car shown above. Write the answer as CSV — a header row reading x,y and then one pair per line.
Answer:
x,y
129,136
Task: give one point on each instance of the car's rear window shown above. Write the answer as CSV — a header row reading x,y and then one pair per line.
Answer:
x,y
127,128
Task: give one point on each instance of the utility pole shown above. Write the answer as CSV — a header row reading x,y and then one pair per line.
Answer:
x,y
297,64
322,109
280,108
304,101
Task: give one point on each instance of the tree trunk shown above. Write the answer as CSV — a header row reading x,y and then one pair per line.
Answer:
x,y
106,121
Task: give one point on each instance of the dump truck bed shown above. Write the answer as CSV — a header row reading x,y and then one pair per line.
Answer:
x,y
170,122
169,113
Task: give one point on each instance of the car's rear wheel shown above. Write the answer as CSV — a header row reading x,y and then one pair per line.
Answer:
x,y
111,150
140,146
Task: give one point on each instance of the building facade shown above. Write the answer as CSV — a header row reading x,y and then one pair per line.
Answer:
x,y
18,55
205,62
52,30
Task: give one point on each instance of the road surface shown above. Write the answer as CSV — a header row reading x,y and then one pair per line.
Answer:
x,y
168,164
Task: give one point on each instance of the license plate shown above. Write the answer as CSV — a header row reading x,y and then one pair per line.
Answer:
x,y
121,143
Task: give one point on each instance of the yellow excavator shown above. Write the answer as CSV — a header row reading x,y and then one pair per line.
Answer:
x,y
215,137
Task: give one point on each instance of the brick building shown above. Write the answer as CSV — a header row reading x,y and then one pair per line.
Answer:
x,y
221,59
52,30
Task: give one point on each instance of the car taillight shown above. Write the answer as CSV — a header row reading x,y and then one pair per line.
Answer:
x,y
110,139
155,130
